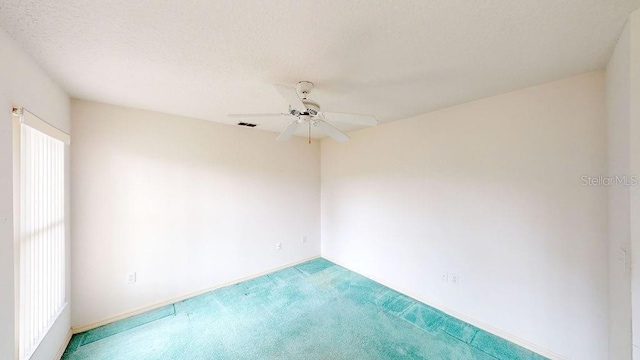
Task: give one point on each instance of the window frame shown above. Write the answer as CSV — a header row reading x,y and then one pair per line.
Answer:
x,y
22,116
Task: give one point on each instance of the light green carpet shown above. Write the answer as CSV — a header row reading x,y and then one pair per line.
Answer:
x,y
315,310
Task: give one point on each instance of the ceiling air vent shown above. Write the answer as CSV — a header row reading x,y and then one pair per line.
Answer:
x,y
247,124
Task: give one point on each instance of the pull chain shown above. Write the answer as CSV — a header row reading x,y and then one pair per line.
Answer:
x,y
309,132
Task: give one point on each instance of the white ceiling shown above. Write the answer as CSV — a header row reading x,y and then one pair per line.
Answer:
x,y
391,59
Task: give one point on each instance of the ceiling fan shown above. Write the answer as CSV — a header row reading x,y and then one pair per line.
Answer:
x,y
306,112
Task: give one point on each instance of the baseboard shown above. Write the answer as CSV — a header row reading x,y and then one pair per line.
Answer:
x,y
64,345
468,319
83,328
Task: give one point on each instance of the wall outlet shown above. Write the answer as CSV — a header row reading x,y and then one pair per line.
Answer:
x,y
444,277
278,245
454,278
304,239
131,277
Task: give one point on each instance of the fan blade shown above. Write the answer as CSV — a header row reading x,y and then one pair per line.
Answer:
x,y
291,95
358,119
334,133
255,115
288,132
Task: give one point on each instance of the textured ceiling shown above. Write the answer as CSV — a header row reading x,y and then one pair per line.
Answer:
x,y
391,59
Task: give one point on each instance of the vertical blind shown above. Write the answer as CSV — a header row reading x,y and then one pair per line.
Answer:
x,y
42,232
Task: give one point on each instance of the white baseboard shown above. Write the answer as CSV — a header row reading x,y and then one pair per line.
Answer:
x,y
468,319
83,328
64,345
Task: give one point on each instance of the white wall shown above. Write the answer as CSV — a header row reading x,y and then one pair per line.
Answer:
x,y
23,83
187,204
490,190
634,168
623,131
618,141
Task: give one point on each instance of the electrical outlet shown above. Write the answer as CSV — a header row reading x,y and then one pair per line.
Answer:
x,y
131,277
278,245
304,239
444,277
454,278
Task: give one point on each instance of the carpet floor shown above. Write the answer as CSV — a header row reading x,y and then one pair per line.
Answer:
x,y
314,310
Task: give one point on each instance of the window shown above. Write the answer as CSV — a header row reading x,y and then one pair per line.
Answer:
x,y
41,230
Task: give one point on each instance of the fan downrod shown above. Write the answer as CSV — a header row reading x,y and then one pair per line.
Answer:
x,y
303,88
